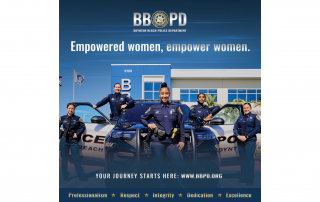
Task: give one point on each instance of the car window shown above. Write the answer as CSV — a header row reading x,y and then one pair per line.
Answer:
x,y
86,112
133,115
228,114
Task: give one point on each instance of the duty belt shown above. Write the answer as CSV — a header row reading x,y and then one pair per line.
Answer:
x,y
161,133
157,132
68,133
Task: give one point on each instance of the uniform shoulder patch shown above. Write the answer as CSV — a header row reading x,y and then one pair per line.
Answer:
x,y
180,110
60,119
192,107
258,117
80,120
148,110
128,96
106,96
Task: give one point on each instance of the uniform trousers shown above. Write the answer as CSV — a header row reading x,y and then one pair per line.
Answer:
x,y
158,148
64,149
246,152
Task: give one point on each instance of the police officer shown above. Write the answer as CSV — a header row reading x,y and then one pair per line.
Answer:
x,y
246,128
167,116
117,101
73,129
200,112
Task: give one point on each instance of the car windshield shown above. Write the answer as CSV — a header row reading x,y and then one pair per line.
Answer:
x,y
134,114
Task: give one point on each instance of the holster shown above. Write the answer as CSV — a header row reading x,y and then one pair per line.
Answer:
x,y
60,133
161,134
157,132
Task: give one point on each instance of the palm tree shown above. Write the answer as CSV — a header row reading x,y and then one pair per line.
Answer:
x,y
257,103
257,108
210,100
238,101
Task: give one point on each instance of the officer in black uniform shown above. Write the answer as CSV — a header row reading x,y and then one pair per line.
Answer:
x,y
73,129
200,112
167,116
117,101
246,128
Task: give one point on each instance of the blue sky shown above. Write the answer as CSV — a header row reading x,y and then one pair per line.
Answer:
x,y
208,22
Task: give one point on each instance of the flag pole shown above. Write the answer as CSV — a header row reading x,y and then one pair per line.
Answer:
x,y
74,70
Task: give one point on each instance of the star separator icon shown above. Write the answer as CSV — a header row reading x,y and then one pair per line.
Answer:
x,y
219,195
180,195
113,195
146,195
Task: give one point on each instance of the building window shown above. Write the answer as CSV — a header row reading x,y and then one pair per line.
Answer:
x,y
190,95
151,90
247,95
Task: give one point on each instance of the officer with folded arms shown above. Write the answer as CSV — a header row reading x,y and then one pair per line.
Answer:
x,y
73,128
246,128
202,113
117,101
164,139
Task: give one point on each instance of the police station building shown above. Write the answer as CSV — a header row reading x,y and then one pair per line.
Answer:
x,y
142,81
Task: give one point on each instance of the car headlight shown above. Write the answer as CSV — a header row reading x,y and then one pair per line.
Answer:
x,y
123,134
208,135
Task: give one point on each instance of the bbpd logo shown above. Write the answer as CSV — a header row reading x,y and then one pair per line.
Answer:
x,y
159,19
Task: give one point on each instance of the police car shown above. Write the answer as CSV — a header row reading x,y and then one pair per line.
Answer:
x,y
127,150
115,144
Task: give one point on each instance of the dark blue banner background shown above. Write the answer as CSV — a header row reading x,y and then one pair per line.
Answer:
x,y
255,194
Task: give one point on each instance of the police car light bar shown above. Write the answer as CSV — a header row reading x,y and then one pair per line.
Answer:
x,y
170,101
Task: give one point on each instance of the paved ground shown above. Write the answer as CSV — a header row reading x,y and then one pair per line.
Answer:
x,y
229,180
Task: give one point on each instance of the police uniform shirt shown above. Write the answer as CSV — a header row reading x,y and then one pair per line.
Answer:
x,y
175,117
199,112
116,100
76,124
249,123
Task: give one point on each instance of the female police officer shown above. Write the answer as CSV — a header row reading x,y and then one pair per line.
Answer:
x,y
73,129
167,116
246,128
117,101
201,112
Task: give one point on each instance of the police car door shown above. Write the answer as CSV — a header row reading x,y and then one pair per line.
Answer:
x,y
228,142
98,127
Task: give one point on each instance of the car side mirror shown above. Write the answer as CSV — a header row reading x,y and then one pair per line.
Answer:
x,y
98,119
216,121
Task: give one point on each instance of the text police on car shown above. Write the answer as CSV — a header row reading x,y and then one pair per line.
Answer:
x,y
117,101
